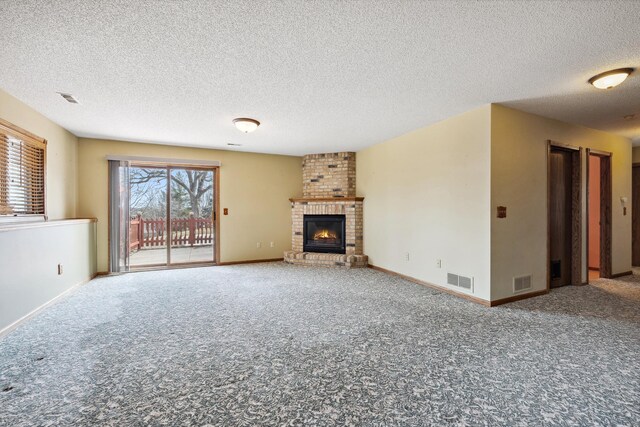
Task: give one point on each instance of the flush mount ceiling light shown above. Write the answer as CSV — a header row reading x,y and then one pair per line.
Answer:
x,y
610,79
246,125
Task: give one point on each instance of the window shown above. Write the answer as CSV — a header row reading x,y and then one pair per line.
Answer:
x,y
22,172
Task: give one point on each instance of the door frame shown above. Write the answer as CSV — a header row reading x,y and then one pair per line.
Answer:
x,y
215,214
635,215
606,201
576,211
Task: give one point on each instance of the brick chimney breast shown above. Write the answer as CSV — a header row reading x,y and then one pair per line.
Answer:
x,y
329,188
329,175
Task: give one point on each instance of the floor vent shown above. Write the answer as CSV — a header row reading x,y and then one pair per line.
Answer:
x,y
460,281
522,283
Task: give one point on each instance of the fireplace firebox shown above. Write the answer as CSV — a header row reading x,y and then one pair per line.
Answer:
x,y
324,233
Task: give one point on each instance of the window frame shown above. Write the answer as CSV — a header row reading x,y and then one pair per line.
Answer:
x,y
9,129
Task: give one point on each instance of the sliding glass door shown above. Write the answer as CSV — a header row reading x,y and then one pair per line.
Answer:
x,y
162,216
148,222
191,212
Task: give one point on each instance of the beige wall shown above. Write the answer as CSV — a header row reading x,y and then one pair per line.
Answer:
x,y
518,181
636,154
433,193
428,193
61,154
254,187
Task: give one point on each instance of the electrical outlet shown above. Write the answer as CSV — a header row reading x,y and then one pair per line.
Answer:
x,y
259,245
59,269
272,244
406,256
439,263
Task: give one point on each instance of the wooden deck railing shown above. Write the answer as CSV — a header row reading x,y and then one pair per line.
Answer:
x,y
145,232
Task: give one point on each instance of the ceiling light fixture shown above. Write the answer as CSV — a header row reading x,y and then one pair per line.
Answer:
x,y
610,79
246,125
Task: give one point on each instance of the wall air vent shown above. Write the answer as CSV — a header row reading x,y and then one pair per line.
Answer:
x,y
460,281
69,98
521,283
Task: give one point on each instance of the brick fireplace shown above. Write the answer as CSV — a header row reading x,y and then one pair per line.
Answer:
x,y
329,202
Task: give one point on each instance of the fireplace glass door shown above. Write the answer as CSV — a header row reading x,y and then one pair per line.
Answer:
x,y
324,233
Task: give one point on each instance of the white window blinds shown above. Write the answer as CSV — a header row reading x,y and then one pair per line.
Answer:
x,y
22,172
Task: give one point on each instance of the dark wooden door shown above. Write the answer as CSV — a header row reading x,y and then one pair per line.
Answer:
x,y
560,209
635,212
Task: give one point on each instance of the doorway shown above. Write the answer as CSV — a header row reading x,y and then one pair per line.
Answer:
x,y
598,214
564,215
635,218
162,215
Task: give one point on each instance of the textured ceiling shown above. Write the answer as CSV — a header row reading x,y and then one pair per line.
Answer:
x,y
320,75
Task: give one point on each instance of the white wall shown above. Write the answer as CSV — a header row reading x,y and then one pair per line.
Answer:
x,y
428,193
29,261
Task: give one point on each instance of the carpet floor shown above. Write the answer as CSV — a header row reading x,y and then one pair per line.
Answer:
x,y
274,344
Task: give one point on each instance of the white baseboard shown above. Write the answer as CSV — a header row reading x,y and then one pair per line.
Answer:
x,y
8,329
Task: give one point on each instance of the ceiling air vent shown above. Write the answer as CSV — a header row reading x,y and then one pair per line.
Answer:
x,y
522,283
69,98
460,281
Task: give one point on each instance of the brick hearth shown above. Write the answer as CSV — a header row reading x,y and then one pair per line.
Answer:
x,y
329,189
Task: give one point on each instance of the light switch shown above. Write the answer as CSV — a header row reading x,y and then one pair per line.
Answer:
x,y
225,211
